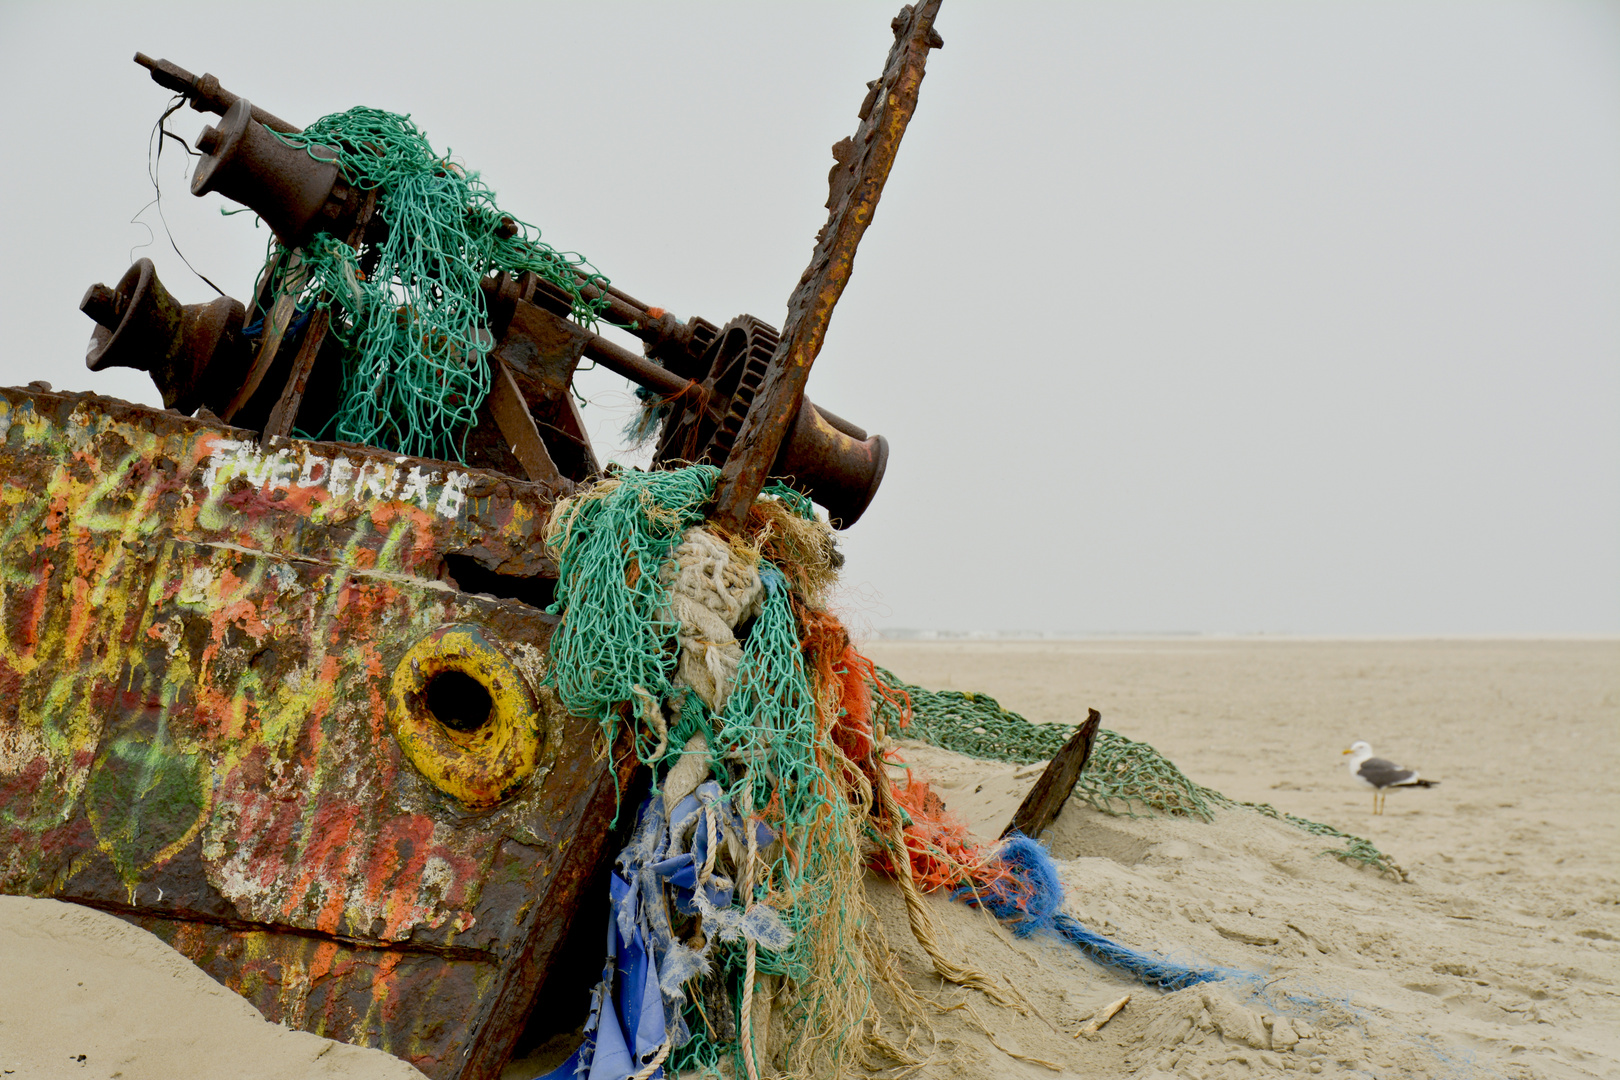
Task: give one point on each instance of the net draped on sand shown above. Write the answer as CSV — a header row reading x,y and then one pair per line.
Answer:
x,y
1122,776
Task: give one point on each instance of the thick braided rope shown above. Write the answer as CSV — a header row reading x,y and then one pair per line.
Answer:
x,y
917,915
747,810
652,1066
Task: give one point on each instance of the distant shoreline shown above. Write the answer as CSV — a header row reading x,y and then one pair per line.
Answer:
x,y
959,637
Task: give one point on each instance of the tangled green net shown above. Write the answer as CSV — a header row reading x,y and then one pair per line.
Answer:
x,y
1122,776
769,721
615,648
613,658
408,308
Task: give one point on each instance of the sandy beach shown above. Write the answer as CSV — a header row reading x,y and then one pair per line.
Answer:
x,y
1499,956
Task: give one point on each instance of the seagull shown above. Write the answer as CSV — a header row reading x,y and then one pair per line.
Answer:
x,y
1381,775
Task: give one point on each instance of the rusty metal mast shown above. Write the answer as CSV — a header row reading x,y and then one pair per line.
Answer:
x,y
856,184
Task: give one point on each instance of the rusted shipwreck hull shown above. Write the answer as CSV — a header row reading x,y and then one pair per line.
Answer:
x,y
283,703
241,706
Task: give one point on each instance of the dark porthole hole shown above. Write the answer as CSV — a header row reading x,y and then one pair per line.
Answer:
x,y
458,701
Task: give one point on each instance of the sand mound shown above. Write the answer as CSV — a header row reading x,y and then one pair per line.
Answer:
x,y
84,994
1333,970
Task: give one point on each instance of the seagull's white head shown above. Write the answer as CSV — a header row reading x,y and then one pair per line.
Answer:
x,y
1359,752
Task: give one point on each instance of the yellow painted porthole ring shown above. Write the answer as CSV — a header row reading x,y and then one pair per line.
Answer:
x,y
436,710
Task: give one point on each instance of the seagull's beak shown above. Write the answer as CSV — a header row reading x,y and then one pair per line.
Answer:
x,y
1344,752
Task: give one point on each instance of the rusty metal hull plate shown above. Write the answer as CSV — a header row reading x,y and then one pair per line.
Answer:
x,y
197,645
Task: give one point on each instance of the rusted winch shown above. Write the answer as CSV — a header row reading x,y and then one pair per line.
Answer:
x,y
195,353
297,192
707,378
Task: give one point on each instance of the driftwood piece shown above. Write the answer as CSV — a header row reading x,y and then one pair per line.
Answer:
x,y
1045,800
1105,1014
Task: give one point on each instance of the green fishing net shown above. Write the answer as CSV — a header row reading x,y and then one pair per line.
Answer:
x,y
769,726
613,658
615,649
408,307
1122,777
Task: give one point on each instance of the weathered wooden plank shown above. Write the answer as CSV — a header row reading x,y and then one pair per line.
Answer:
x,y
285,412
274,329
1052,789
511,414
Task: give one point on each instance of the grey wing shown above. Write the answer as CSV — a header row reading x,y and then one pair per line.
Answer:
x,y
1381,773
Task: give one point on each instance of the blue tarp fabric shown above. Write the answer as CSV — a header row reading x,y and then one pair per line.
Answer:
x,y
636,1007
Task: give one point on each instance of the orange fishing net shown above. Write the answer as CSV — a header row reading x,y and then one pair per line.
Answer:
x,y
943,855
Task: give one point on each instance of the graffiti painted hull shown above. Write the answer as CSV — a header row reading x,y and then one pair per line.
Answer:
x,y
239,707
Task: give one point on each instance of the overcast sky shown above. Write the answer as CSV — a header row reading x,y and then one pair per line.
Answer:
x,y
1205,316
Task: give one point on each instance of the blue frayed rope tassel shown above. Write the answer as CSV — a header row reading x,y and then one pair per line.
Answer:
x,y
1034,901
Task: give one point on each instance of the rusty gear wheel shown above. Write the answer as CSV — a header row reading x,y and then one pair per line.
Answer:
x,y
737,361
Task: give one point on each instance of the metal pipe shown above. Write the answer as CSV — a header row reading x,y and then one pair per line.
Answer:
x,y
639,369
644,372
614,290
637,318
205,93
503,292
